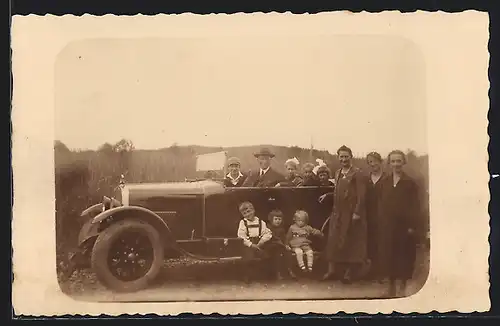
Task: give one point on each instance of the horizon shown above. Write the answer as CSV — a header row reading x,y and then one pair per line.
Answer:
x,y
367,92
356,154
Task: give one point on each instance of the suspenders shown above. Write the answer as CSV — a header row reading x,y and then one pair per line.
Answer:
x,y
253,226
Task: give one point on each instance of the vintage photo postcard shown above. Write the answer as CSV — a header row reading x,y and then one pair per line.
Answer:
x,y
250,163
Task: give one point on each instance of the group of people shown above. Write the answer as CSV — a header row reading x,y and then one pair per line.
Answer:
x,y
266,176
374,218
274,240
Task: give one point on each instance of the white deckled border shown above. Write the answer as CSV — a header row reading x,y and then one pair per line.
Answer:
x,y
456,55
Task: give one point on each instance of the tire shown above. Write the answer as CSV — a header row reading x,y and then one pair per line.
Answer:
x,y
104,250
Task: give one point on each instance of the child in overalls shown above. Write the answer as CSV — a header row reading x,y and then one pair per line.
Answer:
x,y
255,234
298,237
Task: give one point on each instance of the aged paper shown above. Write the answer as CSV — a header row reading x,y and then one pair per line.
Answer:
x,y
455,55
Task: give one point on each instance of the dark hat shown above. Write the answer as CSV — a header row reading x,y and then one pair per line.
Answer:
x,y
264,152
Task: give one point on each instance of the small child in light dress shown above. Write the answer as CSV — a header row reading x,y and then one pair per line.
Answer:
x,y
298,237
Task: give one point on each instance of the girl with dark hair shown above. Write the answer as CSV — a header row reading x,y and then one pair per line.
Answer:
x,y
310,179
346,245
324,174
280,250
399,209
373,189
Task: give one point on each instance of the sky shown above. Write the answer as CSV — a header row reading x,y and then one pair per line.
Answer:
x,y
367,92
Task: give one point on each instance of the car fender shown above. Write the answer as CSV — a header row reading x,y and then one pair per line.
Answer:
x,y
88,230
100,207
94,208
141,213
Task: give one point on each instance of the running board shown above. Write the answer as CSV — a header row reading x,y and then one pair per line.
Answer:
x,y
203,258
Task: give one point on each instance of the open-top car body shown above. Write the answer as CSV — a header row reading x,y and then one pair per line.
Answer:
x,y
127,236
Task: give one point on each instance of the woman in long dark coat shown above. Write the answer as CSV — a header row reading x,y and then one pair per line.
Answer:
x,y
399,209
373,189
346,244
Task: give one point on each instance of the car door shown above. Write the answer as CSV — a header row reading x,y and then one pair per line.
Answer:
x,y
222,215
222,218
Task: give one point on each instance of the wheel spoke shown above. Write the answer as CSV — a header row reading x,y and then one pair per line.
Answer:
x,y
132,256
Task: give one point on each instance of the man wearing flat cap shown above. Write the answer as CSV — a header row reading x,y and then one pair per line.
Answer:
x,y
234,178
265,176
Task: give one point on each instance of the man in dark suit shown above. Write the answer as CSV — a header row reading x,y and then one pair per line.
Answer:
x,y
265,176
234,178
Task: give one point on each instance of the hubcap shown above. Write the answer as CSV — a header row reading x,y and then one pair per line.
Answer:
x,y
130,256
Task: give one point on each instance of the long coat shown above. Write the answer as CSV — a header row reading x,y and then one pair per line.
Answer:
x,y
399,211
270,179
347,237
373,192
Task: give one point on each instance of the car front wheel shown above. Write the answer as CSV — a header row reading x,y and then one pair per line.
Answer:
x,y
127,255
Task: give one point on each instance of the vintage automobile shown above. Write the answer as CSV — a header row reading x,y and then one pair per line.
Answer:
x,y
127,237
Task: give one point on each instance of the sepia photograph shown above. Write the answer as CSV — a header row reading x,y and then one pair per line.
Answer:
x,y
241,168
250,164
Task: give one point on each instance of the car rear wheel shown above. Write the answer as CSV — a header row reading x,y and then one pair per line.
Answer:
x,y
127,255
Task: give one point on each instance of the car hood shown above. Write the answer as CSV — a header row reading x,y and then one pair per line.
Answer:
x,y
144,190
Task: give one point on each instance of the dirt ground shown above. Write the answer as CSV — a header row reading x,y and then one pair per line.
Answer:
x,y
188,280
